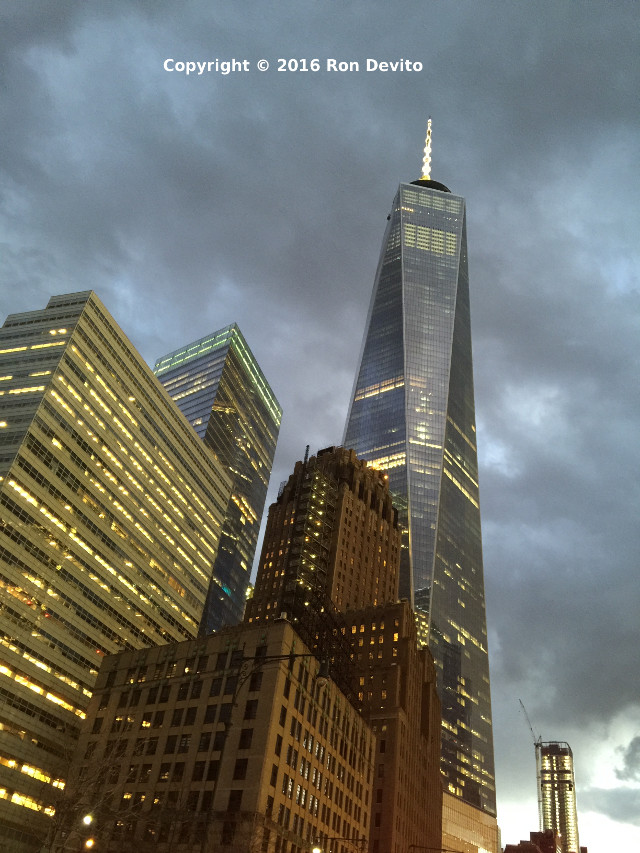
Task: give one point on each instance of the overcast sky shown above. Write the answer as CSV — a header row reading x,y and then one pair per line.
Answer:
x,y
189,202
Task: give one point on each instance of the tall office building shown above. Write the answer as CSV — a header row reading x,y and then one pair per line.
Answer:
x,y
329,562
557,795
331,538
412,415
110,514
218,385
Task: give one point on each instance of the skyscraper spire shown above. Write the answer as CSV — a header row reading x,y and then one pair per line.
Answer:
x,y
426,160
412,415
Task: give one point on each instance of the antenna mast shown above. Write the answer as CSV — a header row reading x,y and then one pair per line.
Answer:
x,y
426,160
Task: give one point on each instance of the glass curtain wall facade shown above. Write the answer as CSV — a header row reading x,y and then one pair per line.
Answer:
x,y
219,387
558,809
110,514
413,415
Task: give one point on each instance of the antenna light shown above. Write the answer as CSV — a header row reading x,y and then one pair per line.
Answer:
x,y
426,160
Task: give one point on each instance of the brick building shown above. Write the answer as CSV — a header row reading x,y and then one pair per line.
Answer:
x,y
331,535
332,546
397,691
546,841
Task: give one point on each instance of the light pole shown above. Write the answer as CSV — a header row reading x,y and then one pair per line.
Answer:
x,y
69,840
246,670
89,842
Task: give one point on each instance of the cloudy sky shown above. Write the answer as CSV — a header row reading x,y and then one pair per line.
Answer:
x,y
189,202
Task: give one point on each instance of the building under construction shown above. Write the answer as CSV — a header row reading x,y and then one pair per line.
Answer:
x,y
557,793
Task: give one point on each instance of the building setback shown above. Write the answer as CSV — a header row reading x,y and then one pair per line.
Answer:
x,y
331,536
229,742
218,385
398,697
329,562
110,516
412,415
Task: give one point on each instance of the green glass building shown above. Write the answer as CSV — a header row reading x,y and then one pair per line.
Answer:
x,y
218,385
412,414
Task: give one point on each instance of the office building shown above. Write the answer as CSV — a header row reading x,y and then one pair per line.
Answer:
x,y
557,795
329,562
331,537
219,386
234,741
110,516
412,415
398,698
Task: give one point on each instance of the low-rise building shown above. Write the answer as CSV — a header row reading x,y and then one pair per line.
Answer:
x,y
546,841
237,741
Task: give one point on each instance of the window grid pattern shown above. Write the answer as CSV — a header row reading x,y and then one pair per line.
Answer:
x,y
412,414
219,387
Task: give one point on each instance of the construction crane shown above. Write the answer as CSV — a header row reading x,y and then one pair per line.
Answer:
x,y
537,745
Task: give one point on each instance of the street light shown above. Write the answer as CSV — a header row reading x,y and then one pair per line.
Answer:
x,y
89,843
246,670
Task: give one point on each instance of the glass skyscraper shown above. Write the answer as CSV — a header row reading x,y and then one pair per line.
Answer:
x,y
218,385
412,414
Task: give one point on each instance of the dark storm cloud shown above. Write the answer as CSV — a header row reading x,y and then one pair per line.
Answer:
x,y
561,486
189,203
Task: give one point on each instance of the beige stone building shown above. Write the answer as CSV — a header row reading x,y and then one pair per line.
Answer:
x,y
231,742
